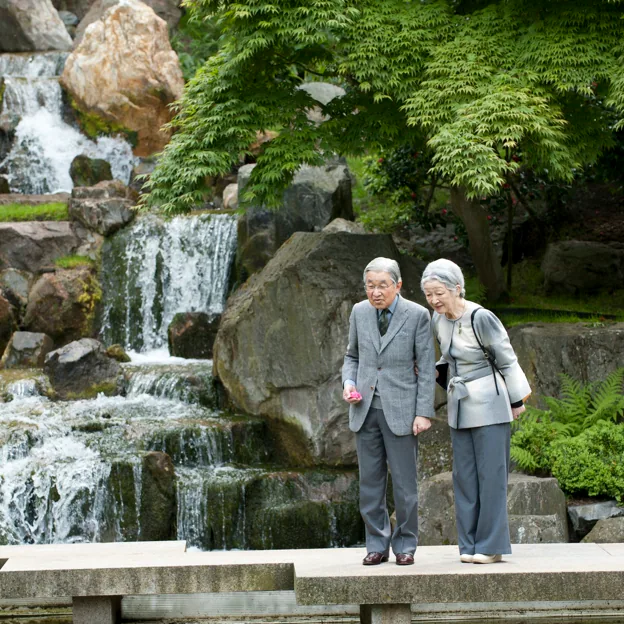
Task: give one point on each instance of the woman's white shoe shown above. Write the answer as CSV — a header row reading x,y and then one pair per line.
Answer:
x,y
478,558
466,558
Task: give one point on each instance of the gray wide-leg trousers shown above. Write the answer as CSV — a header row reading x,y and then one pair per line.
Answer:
x,y
378,448
480,469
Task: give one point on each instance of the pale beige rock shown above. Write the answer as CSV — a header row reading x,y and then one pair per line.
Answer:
x,y
230,197
125,71
31,25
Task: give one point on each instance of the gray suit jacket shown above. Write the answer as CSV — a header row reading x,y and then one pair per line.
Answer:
x,y
388,363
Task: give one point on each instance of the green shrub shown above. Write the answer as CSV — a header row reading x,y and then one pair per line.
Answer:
x,y
591,462
580,408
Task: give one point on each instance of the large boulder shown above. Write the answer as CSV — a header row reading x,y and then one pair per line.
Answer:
x,y
316,196
584,517
82,369
545,350
26,350
608,531
281,343
583,266
85,171
192,334
165,9
31,25
536,507
125,74
7,322
30,246
158,498
63,303
103,208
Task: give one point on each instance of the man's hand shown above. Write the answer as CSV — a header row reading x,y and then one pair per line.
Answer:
x,y
420,424
516,411
349,392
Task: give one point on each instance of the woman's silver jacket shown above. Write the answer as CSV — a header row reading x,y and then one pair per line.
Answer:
x,y
475,399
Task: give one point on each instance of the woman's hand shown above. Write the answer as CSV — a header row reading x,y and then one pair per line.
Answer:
x,y
350,394
516,411
420,424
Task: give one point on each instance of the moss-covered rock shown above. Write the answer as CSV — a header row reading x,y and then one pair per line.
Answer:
x,y
85,171
117,352
192,334
63,304
82,369
158,498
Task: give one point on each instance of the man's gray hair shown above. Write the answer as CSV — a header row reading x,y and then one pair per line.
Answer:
x,y
388,265
446,272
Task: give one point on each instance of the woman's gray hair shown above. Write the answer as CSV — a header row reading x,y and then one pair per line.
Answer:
x,y
387,265
446,272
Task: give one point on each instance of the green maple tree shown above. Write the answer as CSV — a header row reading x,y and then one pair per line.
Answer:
x,y
474,81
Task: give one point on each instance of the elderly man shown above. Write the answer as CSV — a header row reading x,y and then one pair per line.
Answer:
x,y
388,378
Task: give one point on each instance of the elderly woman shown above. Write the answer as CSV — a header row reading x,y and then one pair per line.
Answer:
x,y
486,391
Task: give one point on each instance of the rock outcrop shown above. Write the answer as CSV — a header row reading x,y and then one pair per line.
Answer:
x,y
316,196
15,286
26,350
31,25
583,518
608,531
32,246
7,322
583,266
165,9
545,350
82,369
62,304
103,208
192,334
281,343
536,507
124,73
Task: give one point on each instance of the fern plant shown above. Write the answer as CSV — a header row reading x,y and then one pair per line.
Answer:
x,y
580,408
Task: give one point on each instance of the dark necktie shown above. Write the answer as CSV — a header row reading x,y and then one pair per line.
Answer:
x,y
383,322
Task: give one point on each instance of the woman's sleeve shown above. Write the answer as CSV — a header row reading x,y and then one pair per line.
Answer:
x,y
495,338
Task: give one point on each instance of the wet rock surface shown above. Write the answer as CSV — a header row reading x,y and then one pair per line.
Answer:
x,y
192,334
82,369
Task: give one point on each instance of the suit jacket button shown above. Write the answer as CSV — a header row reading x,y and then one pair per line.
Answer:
x,y
372,387
379,368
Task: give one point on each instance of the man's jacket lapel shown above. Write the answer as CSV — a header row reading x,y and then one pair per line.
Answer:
x,y
398,320
373,328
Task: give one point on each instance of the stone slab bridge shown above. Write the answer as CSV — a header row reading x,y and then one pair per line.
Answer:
x,y
98,576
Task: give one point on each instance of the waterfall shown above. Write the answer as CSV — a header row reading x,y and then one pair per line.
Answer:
x,y
155,269
45,144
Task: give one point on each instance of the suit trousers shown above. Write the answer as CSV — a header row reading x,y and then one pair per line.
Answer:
x,y
378,448
480,469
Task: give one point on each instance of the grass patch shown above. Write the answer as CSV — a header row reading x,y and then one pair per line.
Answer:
x,y
73,262
56,211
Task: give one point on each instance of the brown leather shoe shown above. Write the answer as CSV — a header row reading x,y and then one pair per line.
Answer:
x,y
374,558
404,559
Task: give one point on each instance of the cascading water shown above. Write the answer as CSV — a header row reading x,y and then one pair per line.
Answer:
x,y
155,269
45,144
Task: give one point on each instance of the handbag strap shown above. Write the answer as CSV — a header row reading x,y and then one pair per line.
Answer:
x,y
488,356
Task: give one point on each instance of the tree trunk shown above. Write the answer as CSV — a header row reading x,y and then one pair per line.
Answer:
x,y
489,270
